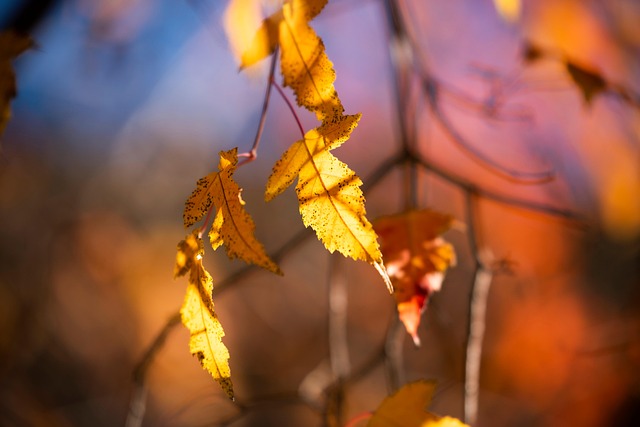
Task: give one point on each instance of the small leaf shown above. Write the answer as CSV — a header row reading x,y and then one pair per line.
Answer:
x,y
232,225
416,258
12,44
264,42
199,316
590,83
407,408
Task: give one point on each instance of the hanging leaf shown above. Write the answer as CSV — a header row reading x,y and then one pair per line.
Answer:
x,y
331,201
232,226
198,313
416,258
407,408
305,66
12,44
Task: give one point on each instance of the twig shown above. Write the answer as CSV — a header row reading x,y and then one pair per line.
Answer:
x,y
253,153
290,105
338,339
480,286
137,405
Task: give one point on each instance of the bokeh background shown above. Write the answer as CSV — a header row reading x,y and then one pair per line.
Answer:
x,y
123,105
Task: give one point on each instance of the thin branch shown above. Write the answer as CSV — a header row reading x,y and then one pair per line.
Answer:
x,y
480,286
290,105
137,405
338,339
253,153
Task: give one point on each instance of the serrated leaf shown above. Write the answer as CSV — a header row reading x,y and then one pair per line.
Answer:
x,y
198,313
416,259
232,226
407,408
306,68
331,201
12,44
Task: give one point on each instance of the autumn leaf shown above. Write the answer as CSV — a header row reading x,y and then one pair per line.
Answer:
x,y
331,201
590,83
232,225
305,66
198,313
12,44
407,408
304,63
416,258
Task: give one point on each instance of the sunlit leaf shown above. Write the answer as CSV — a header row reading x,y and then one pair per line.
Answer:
x,y
509,10
199,316
232,226
264,41
408,408
416,258
331,201
12,44
305,65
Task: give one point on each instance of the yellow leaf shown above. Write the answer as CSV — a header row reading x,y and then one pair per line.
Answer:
x,y
264,42
416,258
198,313
232,226
305,65
509,10
331,201
407,408
12,44
287,168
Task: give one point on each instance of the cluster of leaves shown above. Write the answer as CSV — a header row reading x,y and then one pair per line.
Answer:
x,y
330,199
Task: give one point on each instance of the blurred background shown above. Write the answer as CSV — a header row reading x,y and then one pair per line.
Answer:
x,y
123,105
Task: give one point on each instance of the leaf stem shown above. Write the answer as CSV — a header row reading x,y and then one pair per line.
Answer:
x,y
290,105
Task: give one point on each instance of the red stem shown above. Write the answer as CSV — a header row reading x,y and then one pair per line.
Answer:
x,y
293,111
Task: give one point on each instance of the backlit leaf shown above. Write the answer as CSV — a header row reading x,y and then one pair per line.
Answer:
x,y
416,258
305,65
198,313
12,44
331,201
407,408
232,226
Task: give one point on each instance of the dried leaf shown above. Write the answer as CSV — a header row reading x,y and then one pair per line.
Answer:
x,y
12,44
590,83
407,408
232,226
329,194
416,258
198,313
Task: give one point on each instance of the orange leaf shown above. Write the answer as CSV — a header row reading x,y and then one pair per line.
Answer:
x,y
407,408
416,258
